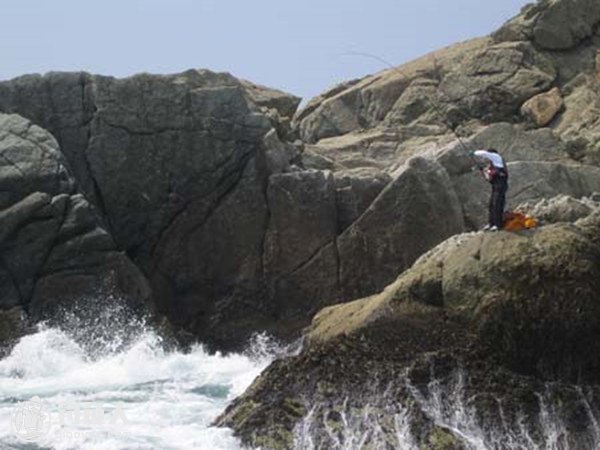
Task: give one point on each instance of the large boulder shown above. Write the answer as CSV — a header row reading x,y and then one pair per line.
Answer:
x,y
383,148
493,83
178,167
54,251
416,211
458,350
279,106
542,108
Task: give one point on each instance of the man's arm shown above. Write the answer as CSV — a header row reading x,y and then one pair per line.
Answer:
x,y
484,154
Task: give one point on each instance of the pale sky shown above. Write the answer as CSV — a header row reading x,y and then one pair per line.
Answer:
x,y
299,46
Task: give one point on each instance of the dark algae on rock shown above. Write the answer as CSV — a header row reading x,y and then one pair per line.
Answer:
x,y
488,341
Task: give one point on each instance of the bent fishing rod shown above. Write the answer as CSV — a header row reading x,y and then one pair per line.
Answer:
x,y
434,105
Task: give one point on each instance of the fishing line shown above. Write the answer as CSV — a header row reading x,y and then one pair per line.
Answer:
x,y
433,104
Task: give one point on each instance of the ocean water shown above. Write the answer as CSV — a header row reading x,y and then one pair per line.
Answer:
x,y
90,388
57,393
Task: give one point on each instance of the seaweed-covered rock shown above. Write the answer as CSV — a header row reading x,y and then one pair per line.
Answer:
x,y
457,350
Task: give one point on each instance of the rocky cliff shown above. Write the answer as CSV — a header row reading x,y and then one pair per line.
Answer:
x,y
476,327
487,341
239,213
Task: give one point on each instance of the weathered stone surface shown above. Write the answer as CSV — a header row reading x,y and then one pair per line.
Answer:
x,y
579,124
13,324
302,218
285,104
177,166
302,221
483,320
455,275
533,181
53,249
366,103
562,24
542,108
356,190
475,79
562,208
278,106
493,83
553,24
381,148
418,209
207,273
418,100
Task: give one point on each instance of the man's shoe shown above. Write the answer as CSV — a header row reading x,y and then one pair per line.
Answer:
x,y
494,228
486,228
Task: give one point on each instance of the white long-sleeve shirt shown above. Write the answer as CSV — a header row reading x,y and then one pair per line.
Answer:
x,y
495,158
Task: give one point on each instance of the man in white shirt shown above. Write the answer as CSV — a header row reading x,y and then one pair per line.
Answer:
x,y
497,174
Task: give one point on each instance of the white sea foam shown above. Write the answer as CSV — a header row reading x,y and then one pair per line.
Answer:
x,y
168,398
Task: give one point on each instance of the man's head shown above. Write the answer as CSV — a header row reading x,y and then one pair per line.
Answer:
x,y
493,150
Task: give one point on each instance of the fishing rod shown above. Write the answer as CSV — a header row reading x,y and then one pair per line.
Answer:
x,y
436,107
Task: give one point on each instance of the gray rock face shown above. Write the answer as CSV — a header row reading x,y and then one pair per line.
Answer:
x,y
194,184
476,79
278,106
356,190
493,83
195,176
53,249
562,208
554,24
176,165
363,104
414,212
538,180
579,125
303,221
138,142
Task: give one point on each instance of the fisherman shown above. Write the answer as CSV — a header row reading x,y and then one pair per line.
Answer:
x,y
496,173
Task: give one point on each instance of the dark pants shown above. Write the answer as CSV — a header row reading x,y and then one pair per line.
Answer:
x,y
497,201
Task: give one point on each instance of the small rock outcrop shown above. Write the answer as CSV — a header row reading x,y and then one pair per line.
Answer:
x,y
562,208
542,108
553,24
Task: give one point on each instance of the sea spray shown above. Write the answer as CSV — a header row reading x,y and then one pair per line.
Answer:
x,y
166,398
447,410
